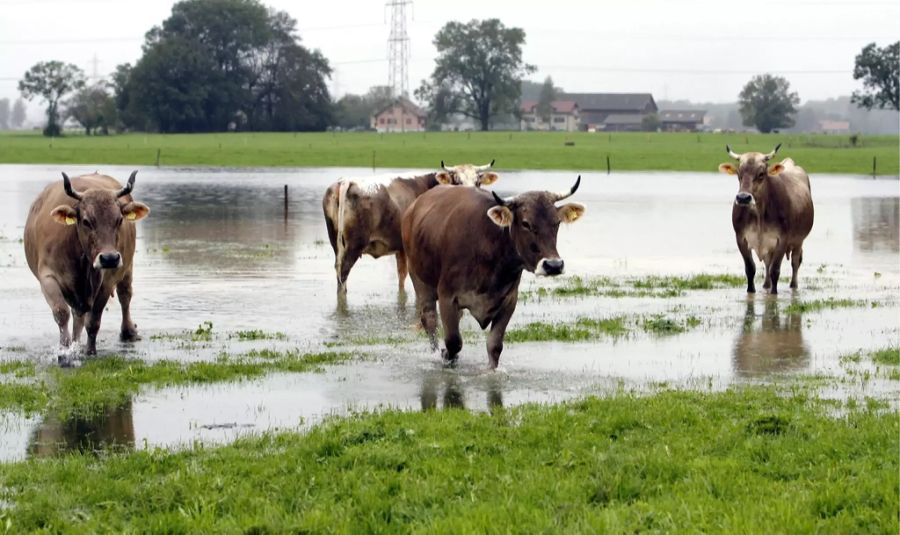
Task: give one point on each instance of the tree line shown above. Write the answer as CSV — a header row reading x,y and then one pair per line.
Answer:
x,y
219,65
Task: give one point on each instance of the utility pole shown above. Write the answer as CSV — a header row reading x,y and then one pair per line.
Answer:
x,y
398,49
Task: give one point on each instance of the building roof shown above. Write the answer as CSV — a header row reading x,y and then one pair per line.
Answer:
x,y
623,118
559,106
634,102
407,105
681,116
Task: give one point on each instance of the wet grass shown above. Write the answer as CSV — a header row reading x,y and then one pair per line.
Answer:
x,y
17,368
668,462
583,329
888,355
649,286
257,334
111,381
512,150
802,307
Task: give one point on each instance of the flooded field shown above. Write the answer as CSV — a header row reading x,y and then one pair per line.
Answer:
x,y
220,258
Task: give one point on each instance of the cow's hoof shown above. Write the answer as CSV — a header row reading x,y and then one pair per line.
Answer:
x,y
449,360
129,336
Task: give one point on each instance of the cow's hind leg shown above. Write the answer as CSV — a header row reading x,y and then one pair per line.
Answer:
x,y
749,264
54,296
129,329
796,260
426,304
402,270
450,314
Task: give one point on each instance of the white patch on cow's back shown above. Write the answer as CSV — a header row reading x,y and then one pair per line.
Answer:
x,y
374,183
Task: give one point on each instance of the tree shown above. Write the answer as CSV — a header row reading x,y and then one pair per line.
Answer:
x,y
215,65
650,122
18,114
879,69
51,80
767,103
4,114
545,101
355,111
478,72
94,108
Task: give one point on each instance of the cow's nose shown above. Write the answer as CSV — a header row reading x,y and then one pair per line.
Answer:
x,y
743,198
554,266
110,260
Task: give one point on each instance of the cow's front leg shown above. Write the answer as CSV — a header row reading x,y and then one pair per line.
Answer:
x,y
498,331
749,264
93,322
54,297
450,314
774,269
129,329
77,325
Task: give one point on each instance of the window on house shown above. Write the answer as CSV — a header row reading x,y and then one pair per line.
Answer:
x,y
381,120
408,120
559,119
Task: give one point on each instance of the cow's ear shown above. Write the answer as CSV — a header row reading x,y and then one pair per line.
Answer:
x,y
443,177
571,212
64,215
776,169
501,216
135,211
487,178
728,169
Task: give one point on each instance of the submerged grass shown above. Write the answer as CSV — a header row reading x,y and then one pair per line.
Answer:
x,y
584,329
888,355
649,286
111,381
802,307
668,462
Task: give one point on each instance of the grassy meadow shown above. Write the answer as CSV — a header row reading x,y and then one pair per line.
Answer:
x,y
818,153
748,460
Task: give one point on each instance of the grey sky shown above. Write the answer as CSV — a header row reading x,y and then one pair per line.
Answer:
x,y
697,50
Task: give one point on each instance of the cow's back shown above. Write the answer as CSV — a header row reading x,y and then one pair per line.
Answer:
x,y
794,199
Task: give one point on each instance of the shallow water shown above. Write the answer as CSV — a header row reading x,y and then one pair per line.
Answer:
x,y
219,247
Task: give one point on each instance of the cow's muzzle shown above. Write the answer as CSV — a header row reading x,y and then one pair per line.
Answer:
x,y
744,199
550,267
108,261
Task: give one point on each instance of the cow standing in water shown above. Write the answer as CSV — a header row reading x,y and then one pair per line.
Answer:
x,y
772,213
79,243
363,214
467,250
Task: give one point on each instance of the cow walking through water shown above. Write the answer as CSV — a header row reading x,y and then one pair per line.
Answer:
x,y
79,243
467,250
772,213
363,215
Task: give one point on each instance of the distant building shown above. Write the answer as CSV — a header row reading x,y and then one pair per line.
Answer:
x,y
681,120
564,116
401,115
834,127
613,112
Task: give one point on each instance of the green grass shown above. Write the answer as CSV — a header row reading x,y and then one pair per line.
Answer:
x,y
888,355
702,281
801,307
649,286
512,150
112,381
584,329
744,461
257,334
663,325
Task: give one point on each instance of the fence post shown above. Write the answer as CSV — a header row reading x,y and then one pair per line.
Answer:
x,y
608,168
874,162
158,151
285,202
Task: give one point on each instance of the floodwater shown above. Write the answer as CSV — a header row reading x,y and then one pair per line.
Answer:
x,y
220,247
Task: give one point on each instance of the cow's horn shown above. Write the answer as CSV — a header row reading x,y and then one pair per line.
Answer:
x,y
564,194
129,186
731,153
444,167
67,184
485,167
771,154
500,200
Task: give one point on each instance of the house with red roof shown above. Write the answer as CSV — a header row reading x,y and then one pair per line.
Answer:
x,y
564,116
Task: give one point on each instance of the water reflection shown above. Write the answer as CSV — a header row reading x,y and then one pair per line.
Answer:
x,y
111,429
773,344
876,223
446,386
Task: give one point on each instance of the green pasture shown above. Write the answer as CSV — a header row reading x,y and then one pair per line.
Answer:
x,y
581,151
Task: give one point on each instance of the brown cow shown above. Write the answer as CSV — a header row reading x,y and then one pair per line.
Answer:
x,y
79,243
363,214
467,250
772,214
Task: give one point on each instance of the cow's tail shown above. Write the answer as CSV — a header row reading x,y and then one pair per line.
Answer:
x,y
341,241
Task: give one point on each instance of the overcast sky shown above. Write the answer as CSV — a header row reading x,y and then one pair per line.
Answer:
x,y
697,50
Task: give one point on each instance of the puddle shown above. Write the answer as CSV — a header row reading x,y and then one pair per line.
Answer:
x,y
219,247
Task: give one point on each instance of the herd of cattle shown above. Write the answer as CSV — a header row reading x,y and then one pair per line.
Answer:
x,y
463,247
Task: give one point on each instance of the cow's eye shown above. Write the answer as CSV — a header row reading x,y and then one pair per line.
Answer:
x,y
119,221
527,225
87,223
